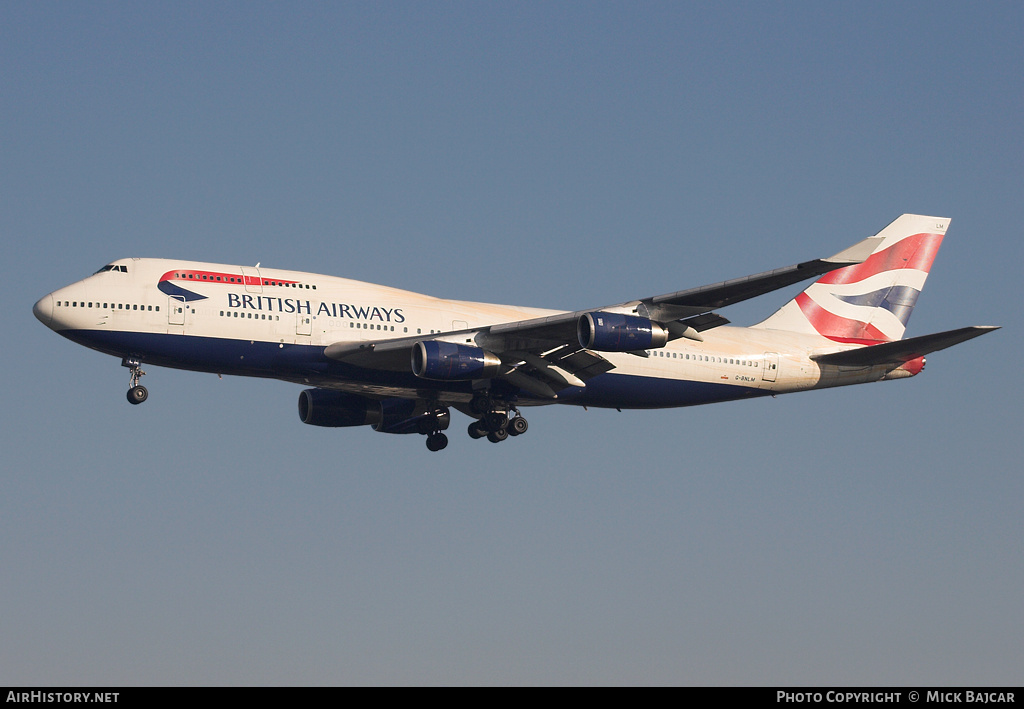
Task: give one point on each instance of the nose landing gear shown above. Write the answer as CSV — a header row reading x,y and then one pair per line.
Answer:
x,y
136,392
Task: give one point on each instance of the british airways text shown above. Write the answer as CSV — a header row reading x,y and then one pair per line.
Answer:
x,y
334,310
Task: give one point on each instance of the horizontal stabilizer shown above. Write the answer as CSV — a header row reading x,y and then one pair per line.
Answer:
x,y
902,350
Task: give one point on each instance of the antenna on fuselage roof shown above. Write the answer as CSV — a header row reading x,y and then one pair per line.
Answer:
x,y
257,265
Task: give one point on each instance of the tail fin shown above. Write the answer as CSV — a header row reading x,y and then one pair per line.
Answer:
x,y
870,302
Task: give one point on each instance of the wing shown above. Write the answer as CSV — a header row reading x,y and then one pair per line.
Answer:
x,y
547,354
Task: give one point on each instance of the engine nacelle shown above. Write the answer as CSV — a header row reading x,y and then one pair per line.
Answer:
x,y
326,407
447,361
614,332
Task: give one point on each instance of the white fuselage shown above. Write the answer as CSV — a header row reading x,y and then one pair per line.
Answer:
x,y
274,323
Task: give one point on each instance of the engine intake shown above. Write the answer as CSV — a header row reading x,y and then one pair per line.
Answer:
x,y
447,361
614,332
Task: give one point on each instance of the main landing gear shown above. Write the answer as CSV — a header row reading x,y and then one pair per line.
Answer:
x,y
136,392
432,426
494,421
498,419
436,441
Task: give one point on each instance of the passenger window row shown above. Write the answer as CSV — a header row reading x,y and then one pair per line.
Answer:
x,y
704,358
111,306
253,281
373,326
251,316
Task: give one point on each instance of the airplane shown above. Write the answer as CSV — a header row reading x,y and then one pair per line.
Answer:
x,y
398,361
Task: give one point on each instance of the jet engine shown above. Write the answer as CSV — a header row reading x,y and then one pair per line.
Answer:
x,y
447,361
326,407
614,332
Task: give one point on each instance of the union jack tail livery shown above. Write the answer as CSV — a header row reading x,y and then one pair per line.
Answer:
x,y
869,303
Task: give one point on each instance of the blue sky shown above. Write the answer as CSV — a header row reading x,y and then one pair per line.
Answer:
x,y
555,155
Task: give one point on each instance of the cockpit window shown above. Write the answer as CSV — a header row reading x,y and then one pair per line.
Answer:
x,y
113,267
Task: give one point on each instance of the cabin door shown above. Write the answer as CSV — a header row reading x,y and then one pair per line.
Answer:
x,y
771,366
175,310
253,282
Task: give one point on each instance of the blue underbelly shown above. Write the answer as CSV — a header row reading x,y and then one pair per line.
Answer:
x,y
307,363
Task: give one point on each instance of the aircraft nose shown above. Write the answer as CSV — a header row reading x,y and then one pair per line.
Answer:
x,y
43,309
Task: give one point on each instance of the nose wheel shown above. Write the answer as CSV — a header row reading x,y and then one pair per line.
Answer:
x,y
136,392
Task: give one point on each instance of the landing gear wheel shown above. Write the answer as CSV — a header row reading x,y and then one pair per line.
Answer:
x,y
517,426
477,430
479,405
137,394
497,436
436,441
495,421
